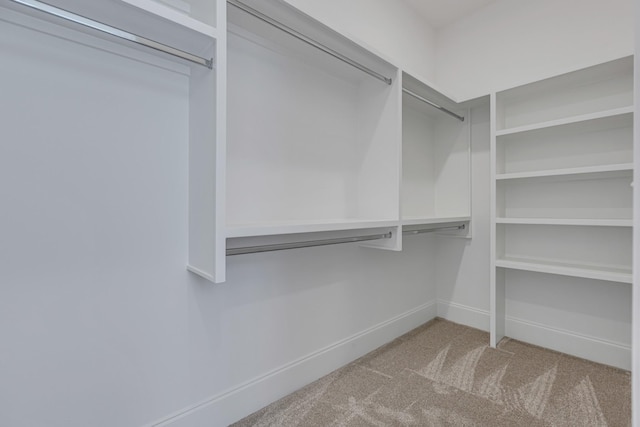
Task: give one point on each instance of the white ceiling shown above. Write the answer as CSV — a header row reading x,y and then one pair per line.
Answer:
x,y
439,13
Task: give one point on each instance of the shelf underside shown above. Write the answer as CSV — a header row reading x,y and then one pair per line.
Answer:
x,y
310,226
567,221
591,119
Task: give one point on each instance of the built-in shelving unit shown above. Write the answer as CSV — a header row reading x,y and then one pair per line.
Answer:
x,y
562,173
436,158
315,143
313,140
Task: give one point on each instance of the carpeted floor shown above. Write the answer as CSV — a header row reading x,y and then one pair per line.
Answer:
x,y
444,374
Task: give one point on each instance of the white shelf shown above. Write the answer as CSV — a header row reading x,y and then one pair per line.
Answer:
x,y
611,171
145,18
174,16
567,221
434,220
596,272
566,121
292,227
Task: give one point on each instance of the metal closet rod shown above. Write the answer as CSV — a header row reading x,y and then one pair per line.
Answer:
x,y
430,230
306,244
261,16
434,105
113,31
325,242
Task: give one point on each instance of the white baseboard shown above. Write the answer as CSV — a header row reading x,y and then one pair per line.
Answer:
x,y
244,399
579,345
464,315
586,347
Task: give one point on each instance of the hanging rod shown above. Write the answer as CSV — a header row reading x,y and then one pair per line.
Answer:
x,y
306,244
302,37
90,23
426,101
430,230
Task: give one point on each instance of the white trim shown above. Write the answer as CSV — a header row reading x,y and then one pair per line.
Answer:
x,y
234,404
579,345
464,314
585,346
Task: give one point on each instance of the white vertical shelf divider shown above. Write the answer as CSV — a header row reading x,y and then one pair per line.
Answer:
x,y
497,289
207,165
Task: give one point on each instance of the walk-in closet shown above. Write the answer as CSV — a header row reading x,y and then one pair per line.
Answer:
x,y
208,205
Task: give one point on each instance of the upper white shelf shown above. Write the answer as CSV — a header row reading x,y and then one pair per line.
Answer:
x,y
567,221
293,227
173,16
148,19
584,118
610,171
587,271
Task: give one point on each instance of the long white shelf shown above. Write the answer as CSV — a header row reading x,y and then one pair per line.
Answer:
x,y
144,18
596,272
292,227
567,221
414,220
611,171
566,121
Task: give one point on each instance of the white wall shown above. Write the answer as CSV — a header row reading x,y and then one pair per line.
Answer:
x,y
511,42
391,27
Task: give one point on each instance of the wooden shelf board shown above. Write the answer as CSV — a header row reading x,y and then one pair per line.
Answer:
x,y
611,274
311,226
617,170
566,121
567,221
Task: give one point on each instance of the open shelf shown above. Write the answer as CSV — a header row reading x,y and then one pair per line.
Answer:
x,y
580,120
150,19
603,142
587,172
436,179
587,271
293,227
604,196
567,221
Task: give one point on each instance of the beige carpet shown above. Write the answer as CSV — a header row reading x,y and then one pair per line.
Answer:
x,y
444,374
